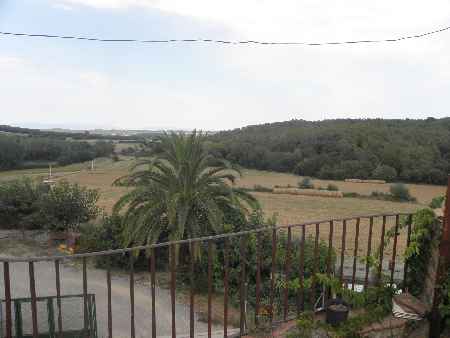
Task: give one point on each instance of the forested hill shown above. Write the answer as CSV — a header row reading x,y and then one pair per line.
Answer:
x,y
405,150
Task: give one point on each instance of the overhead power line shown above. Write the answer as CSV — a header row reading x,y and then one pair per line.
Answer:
x,y
230,42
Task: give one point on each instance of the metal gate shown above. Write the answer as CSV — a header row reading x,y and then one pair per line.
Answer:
x,y
63,319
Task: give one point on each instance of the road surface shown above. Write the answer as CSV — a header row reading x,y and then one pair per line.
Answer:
x,y
71,283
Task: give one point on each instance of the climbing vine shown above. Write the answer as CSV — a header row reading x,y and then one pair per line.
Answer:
x,y
424,237
425,232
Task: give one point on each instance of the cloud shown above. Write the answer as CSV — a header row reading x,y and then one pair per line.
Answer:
x,y
63,6
300,20
95,79
236,85
108,4
10,63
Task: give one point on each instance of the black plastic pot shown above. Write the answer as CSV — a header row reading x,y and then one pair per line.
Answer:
x,y
336,312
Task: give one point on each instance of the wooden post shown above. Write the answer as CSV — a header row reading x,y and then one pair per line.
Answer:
x,y
443,266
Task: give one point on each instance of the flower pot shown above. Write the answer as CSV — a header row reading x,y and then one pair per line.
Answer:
x,y
336,312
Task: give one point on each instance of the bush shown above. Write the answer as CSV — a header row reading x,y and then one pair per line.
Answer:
x,y
19,204
104,236
400,192
437,202
351,194
66,206
261,188
306,183
332,187
384,172
381,195
115,157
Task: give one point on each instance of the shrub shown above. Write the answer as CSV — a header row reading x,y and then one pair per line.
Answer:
x,y
261,188
19,203
66,206
400,192
28,204
104,236
306,183
332,187
351,194
381,195
437,202
115,157
384,172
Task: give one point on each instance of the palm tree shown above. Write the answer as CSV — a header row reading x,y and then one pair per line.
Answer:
x,y
181,192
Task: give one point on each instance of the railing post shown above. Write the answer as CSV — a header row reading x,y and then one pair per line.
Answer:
x,y
86,327
258,278
192,291
132,321
272,274
226,258
172,259
443,266
210,288
7,280
33,299
242,286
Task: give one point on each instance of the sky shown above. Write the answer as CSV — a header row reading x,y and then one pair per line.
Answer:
x,y
86,85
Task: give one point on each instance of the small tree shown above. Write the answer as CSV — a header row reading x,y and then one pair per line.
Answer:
x,y
437,202
67,206
400,192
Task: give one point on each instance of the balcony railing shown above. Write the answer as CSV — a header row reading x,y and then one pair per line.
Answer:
x,y
350,239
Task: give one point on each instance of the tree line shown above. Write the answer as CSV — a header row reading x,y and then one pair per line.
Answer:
x,y
75,135
406,150
36,151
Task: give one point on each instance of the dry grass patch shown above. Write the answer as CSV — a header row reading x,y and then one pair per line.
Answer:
x,y
291,209
424,193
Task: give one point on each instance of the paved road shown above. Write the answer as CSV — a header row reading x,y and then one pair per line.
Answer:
x,y
71,283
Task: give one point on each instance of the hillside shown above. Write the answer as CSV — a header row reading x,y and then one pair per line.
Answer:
x,y
406,150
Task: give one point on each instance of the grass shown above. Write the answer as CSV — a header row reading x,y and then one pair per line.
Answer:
x,y
102,163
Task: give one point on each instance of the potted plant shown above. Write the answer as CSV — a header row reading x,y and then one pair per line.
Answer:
x,y
336,311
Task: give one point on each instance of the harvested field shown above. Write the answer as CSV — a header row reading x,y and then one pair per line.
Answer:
x,y
308,192
424,193
292,209
357,180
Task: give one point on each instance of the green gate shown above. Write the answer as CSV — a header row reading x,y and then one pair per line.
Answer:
x,y
74,325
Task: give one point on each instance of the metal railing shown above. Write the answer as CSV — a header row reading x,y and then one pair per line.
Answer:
x,y
362,244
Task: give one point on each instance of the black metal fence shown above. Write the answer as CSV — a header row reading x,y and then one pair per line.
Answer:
x,y
347,239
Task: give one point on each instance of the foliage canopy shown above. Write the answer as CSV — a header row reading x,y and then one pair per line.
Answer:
x,y
406,150
180,192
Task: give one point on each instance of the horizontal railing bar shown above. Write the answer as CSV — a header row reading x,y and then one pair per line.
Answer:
x,y
45,298
191,240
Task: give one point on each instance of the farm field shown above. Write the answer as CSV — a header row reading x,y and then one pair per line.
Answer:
x,y
289,209
423,192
